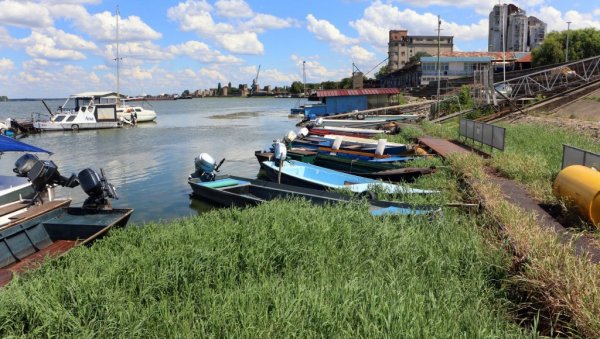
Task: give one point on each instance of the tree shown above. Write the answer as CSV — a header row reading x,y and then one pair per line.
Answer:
x,y
296,87
583,43
346,83
229,85
185,93
330,85
219,89
383,71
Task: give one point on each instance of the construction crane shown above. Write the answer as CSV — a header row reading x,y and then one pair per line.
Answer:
x,y
255,82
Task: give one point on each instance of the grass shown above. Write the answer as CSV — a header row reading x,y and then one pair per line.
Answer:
x,y
261,272
548,281
550,286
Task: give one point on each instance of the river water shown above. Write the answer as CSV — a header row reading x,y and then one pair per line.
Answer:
x,y
149,164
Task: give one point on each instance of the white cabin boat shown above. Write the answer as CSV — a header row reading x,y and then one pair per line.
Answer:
x,y
90,110
142,114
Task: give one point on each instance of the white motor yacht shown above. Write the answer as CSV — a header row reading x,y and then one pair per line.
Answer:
x,y
90,110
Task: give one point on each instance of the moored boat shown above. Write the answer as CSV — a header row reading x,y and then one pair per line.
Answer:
x,y
90,110
242,192
27,244
307,175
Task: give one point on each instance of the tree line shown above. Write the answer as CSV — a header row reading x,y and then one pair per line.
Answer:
x,y
583,43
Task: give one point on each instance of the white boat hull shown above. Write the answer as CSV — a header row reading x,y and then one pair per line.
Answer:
x,y
146,115
53,126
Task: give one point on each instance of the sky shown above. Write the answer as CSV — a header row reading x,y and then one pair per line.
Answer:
x,y
53,48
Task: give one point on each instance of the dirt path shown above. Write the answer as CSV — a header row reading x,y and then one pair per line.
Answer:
x,y
517,195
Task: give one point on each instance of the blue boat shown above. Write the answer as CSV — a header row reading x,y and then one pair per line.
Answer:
x,y
307,175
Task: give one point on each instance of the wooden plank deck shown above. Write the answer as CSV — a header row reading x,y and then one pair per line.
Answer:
x,y
37,210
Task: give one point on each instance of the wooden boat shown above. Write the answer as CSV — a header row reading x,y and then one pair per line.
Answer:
x,y
25,245
386,171
241,192
307,175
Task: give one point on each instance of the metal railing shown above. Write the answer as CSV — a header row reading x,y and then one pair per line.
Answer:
x,y
486,134
577,156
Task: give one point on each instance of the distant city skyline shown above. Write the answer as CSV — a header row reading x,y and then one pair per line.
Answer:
x,y
53,48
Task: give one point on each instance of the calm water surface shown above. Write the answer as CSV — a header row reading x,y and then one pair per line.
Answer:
x,y
149,164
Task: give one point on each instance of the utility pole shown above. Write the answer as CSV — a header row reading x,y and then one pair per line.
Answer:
x,y
503,35
568,33
117,59
437,108
303,78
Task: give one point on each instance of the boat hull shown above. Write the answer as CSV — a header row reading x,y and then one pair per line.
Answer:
x,y
52,234
52,126
243,192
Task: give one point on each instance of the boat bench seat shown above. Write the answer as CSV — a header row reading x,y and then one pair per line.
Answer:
x,y
224,183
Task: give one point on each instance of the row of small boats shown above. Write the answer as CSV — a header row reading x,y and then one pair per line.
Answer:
x,y
329,168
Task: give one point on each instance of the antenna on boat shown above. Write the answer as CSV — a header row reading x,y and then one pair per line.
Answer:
x,y
117,59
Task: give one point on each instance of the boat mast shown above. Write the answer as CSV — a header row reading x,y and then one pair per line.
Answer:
x,y
117,59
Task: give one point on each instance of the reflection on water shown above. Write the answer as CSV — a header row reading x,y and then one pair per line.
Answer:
x,y
237,115
149,164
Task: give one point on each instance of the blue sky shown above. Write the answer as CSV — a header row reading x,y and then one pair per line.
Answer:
x,y
52,48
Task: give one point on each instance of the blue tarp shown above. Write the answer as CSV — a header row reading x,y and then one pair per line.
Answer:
x,y
11,145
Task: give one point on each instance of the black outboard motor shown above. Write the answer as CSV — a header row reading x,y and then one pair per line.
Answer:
x,y
45,173
24,164
97,188
206,167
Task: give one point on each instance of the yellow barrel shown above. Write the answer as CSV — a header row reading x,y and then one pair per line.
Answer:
x,y
581,185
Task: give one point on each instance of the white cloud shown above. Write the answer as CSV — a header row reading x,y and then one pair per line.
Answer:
x,y
317,72
142,50
359,54
136,73
202,52
270,76
233,9
482,7
6,65
262,22
24,14
597,12
371,31
236,37
326,31
211,74
44,47
557,21
243,43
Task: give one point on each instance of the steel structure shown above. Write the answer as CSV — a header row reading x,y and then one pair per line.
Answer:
x,y
550,81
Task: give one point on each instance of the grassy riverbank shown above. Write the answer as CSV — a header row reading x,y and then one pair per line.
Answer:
x,y
281,269
548,282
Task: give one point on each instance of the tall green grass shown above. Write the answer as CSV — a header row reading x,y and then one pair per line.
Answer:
x,y
283,269
533,155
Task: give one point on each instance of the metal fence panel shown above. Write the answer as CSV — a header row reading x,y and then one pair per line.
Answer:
x,y
462,127
478,131
484,133
498,138
488,134
577,156
469,129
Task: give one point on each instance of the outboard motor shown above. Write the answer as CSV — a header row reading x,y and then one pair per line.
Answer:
x,y
206,167
44,174
279,151
24,164
98,189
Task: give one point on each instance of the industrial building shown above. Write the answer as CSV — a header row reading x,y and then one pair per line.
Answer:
x,y
520,33
401,47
